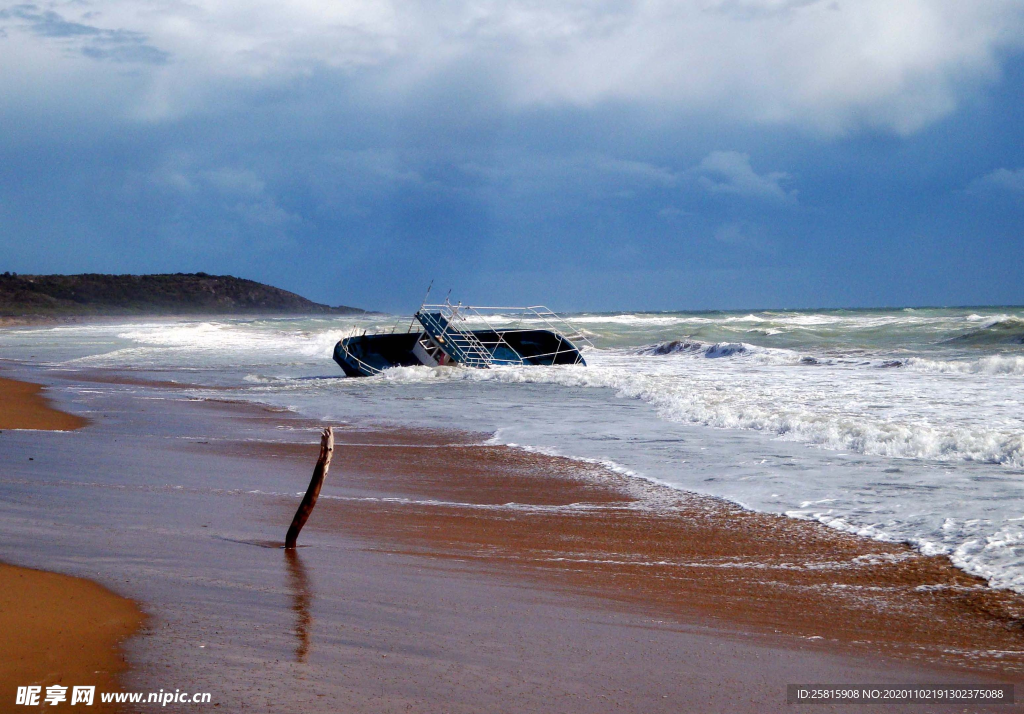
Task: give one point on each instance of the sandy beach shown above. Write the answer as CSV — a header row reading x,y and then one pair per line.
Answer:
x,y
57,630
650,548
61,630
669,355
440,571
23,406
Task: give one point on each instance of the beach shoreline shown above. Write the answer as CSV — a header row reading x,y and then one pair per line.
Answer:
x,y
580,527
24,406
62,630
424,540
57,629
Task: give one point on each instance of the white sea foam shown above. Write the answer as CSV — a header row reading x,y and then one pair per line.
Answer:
x,y
761,355
125,355
993,364
928,451
227,337
994,556
813,410
642,320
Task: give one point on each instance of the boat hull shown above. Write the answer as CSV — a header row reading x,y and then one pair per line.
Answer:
x,y
367,355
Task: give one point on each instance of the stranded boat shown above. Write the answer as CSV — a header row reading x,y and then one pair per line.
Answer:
x,y
524,336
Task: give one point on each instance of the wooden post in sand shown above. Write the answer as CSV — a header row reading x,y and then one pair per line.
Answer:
x,y
309,500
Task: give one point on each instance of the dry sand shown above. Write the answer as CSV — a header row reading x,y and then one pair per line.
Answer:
x,y
56,629
22,406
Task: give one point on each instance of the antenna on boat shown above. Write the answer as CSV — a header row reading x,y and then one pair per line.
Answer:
x,y
413,320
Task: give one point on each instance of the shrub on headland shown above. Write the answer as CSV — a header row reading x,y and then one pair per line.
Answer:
x,y
161,294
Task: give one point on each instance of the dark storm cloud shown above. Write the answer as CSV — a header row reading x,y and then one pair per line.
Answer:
x,y
722,153
94,42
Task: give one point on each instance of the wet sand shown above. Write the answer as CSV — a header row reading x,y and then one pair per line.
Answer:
x,y
438,573
22,406
58,629
582,528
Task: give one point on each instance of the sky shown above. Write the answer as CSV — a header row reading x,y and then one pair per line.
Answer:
x,y
589,155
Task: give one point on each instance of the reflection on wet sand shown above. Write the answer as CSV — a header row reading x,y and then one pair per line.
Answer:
x,y
302,597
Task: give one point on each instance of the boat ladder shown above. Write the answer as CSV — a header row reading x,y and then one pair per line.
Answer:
x,y
461,345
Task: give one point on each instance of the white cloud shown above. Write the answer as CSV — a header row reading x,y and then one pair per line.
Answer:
x,y
830,65
1000,180
730,172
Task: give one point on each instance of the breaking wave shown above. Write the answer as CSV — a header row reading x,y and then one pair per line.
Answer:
x,y
783,410
719,349
953,393
993,364
1001,330
764,355
226,337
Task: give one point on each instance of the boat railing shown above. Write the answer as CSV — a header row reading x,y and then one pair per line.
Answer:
x,y
538,315
464,319
368,367
444,324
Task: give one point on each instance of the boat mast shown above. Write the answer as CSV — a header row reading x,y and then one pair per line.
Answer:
x,y
413,320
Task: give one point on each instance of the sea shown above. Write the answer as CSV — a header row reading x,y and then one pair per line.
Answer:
x,y
899,424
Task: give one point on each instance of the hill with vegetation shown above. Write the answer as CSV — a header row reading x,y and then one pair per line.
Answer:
x,y
167,294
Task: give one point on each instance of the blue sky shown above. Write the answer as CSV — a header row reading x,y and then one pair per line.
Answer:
x,y
594,155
